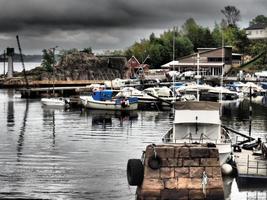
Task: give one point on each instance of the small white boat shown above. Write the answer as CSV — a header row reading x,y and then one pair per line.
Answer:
x,y
162,97
54,101
199,122
104,100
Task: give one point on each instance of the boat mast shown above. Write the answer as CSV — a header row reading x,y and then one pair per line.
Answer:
x,y
4,63
198,77
221,80
53,66
22,61
174,76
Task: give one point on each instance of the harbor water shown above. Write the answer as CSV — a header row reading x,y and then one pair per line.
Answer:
x,y
52,153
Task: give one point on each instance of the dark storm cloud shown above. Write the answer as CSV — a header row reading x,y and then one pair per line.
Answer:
x,y
114,23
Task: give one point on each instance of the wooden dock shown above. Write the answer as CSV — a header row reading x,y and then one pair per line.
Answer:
x,y
252,170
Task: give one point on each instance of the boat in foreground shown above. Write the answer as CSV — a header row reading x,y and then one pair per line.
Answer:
x,y
199,122
105,100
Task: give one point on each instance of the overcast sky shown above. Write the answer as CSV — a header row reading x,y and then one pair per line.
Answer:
x,y
106,24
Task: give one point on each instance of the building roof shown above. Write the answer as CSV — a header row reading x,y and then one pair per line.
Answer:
x,y
256,26
169,64
194,64
133,62
203,50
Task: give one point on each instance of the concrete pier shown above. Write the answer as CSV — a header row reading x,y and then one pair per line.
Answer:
x,y
184,172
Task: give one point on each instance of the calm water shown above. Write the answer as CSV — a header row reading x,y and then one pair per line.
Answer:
x,y
56,154
18,66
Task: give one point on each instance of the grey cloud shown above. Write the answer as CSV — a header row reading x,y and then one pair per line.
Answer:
x,y
116,23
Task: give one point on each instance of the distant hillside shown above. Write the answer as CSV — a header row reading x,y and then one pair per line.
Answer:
x,y
26,58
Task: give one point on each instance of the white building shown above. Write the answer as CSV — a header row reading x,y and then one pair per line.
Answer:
x,y
257,31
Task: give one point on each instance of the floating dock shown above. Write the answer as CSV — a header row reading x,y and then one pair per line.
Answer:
x,y
252,170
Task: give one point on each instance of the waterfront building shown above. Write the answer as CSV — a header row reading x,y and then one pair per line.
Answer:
x,y
257,31
211,61
135,68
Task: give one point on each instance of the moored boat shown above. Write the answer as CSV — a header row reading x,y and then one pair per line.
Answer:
x,y
197,123
104,100
54,101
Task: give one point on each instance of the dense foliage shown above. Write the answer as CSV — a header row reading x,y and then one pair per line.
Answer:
x,y
192,36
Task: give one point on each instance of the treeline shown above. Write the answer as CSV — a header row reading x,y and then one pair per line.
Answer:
x,y
186,40
190,36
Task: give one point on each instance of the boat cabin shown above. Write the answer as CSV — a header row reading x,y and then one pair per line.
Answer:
x,y
196,122
102,95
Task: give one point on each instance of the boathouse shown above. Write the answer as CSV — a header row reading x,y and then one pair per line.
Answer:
x,y
211,61
135,68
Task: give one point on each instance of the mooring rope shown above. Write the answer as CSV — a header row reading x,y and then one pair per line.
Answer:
x,y
204,183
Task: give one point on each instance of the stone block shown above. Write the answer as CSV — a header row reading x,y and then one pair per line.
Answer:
x,y
170,183
196,194
181,172
183,183
209,162
183,152
214,183
152,184
191,162
145,194
214,153
179,162
217,194
195,184
151,173
167,194
199,152
167,172
216,172
209,171
169,162
196,172
165,152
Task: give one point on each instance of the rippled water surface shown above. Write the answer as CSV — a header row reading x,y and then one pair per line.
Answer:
x,y
50,153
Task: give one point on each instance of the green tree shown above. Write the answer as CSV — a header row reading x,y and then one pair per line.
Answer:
x,y
260,19
232,15
48,59
217,35
88,50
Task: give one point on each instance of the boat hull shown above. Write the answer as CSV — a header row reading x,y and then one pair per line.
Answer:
x,y
107,105
53,102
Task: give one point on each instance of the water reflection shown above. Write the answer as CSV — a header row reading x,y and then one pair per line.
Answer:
x,y
49,121
10,109
104,117
22,131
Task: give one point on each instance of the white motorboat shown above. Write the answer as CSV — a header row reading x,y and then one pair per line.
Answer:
x,y
104,100
160,97
54,101
199,122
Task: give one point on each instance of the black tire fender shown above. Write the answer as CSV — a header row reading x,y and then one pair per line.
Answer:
x,y
135,172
